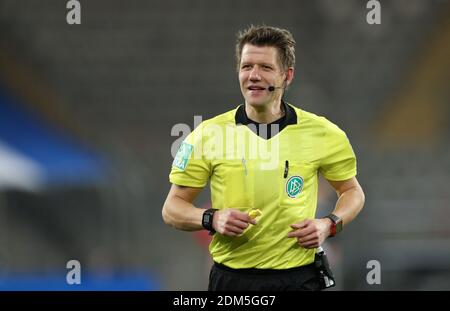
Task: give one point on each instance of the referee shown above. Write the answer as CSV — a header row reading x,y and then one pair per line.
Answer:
x,y
262,160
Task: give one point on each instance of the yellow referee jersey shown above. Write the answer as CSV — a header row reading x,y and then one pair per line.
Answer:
x,y
278,176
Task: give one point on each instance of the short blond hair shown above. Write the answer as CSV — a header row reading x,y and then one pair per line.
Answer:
x,y
263,35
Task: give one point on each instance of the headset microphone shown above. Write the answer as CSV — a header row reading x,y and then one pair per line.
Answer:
x,y
272,88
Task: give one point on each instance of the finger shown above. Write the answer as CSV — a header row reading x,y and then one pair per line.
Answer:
x,y
305,231
310,244
234,229
240,224
300,233
300,229
292,234
310,237
246,218
301,224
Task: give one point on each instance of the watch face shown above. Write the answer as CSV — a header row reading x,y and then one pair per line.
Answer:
x,y
207,219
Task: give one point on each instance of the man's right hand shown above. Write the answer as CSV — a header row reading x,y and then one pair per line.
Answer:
x,y
231,222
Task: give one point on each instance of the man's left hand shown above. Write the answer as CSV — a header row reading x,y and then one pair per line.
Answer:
x,y
311,233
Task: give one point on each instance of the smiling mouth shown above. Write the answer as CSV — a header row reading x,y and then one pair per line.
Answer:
x,y
255,88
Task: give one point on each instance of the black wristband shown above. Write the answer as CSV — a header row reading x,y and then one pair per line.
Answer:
x,y
207,219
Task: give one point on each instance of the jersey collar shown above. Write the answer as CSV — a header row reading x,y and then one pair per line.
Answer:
x,y
290,117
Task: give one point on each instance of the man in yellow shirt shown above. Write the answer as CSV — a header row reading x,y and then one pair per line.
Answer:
x,y
262,160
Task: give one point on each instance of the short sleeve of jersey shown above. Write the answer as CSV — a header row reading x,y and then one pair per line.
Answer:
x,y
338,161
189,167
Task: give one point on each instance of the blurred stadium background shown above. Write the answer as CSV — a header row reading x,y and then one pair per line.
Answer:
x,y
86,113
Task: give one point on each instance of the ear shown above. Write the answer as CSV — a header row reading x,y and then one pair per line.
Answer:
x,y
289,75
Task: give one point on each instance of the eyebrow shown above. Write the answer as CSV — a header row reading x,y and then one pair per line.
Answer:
x,y
263,64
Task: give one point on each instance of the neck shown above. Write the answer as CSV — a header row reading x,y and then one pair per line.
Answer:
x,y
265,114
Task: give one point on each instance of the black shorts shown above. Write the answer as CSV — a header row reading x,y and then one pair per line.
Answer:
x,y
223,278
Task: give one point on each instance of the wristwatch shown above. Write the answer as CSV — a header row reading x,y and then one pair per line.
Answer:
x,y
207,220
336,224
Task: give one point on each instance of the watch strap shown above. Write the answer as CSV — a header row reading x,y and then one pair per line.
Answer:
x,y
207,219
336,224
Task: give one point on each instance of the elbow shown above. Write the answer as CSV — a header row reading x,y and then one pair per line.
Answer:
x,y
362,198
166,215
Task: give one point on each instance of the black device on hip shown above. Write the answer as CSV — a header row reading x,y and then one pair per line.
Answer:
x,y
326,278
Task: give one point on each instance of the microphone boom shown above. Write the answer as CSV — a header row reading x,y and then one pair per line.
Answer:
x,y
272,88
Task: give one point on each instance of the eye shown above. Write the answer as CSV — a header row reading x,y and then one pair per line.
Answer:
x,y
267,67
246,66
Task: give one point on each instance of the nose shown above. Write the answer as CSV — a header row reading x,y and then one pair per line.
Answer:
x,y
254,74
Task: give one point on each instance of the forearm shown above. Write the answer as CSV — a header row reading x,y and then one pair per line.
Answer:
x,y
182,215
349,204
